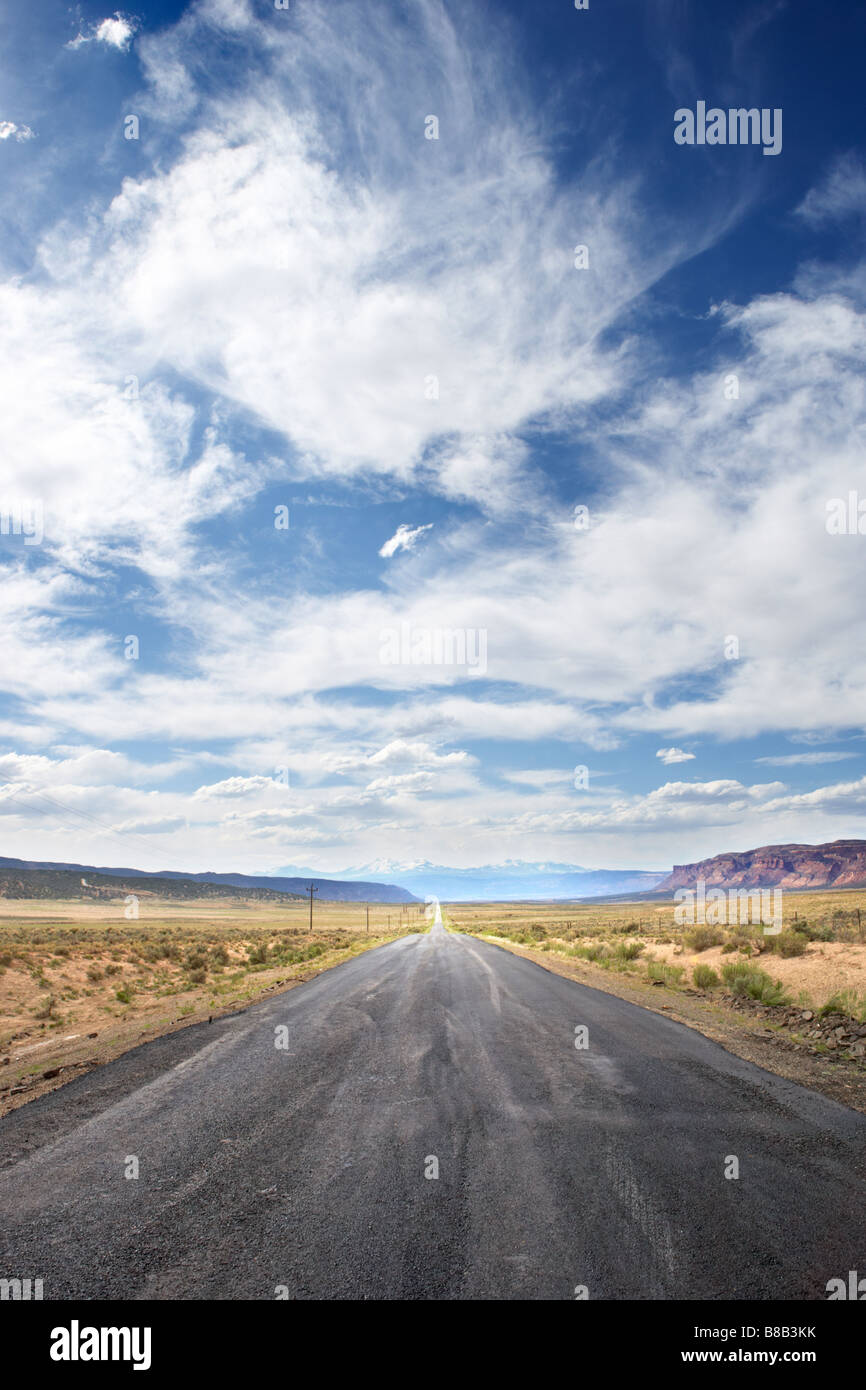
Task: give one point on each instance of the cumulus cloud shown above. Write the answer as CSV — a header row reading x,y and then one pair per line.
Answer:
x,y
842,798
115,32
674,755
406,756
400,752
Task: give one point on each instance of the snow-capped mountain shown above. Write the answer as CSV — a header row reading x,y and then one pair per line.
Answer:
x,y
511,880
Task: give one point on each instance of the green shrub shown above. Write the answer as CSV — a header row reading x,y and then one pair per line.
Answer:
x,y
847,1002
669,975
735,970
702,938
788,943
154,953
821,931
628,950
595,953
748,980
705,977
741,942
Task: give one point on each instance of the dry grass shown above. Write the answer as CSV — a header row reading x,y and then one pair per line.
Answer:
x,y
821,950
79,983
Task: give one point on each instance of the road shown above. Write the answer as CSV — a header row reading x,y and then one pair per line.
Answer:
x,y
302,1169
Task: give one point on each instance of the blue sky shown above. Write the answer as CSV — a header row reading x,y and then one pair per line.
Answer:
x,y
283,301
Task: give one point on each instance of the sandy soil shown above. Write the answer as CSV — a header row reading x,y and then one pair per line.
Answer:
x,y
79,984
825,968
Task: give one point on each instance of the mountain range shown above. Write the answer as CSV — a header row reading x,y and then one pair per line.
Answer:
x,y
329,890
838,864
513,880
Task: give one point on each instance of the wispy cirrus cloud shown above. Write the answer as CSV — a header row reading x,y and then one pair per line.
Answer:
x,y
805,759
404,538
840,194
10,131
289,286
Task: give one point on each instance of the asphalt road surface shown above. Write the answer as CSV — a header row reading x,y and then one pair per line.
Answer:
x,y
305,1168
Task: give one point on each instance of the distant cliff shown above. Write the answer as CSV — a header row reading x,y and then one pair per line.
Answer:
x,y
839,864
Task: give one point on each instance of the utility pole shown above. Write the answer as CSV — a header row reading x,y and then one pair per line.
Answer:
x,y
368,917
311,890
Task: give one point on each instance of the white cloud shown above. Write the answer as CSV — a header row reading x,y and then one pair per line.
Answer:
x,y
840,194
402,753
115,32
311,272
673,755
404,538
166,826
234,787
540,778
805,759
78,409
416,796
9,130
95,766
402,782
295,259
842,798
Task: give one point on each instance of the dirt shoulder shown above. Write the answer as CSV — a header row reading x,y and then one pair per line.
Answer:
x,y
779,1040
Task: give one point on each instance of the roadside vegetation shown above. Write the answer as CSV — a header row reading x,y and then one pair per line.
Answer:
x,y
817,962
79,983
